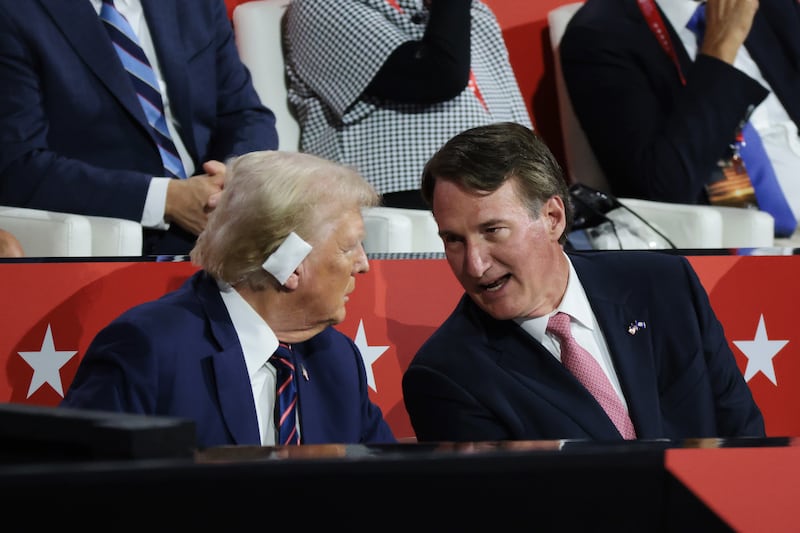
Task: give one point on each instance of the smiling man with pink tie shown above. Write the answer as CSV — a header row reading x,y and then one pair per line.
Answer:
x,y
551,345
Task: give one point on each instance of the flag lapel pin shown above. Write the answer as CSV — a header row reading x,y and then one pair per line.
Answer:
x,y
635,326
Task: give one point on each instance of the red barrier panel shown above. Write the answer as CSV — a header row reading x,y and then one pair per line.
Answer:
x,y
51,311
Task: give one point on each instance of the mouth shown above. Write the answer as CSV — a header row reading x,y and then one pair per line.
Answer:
x,y
496,285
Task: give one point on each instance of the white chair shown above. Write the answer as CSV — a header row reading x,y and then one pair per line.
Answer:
x,y
52,234
687,226
115,237
417,233
257,27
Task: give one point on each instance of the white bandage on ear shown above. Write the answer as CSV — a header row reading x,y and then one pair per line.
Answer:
x,y
287,257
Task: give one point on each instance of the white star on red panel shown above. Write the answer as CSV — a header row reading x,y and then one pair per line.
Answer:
x,y
369,354
46,364
759,353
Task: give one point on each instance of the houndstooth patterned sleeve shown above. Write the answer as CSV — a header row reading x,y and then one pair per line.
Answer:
x,y
334,48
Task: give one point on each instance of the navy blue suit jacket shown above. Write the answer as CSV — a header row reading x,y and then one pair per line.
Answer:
x,y
654,138
478,378
180,356
73,136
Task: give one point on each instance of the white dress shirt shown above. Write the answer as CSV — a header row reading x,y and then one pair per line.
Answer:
x,y
258,343
583,326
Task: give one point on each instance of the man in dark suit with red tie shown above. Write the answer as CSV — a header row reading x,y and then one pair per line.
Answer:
x,y
660,111
654,361
74,137
279,257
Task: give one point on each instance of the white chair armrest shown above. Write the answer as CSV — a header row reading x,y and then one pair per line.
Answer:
x,y
386,231
115,237
686,226
746,228
48,233
424,235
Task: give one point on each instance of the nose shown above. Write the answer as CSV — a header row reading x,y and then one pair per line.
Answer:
x,y
361,265
476,261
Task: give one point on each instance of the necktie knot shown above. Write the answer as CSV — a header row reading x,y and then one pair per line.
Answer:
x,y
559,325
283,356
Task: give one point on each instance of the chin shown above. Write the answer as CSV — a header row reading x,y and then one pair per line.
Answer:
x,y
498,311
338,318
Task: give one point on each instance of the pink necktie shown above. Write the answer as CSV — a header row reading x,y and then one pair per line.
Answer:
x,y
584,367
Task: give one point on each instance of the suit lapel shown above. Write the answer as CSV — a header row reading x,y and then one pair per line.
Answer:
x,y
230,372
92,45
617,306
519,354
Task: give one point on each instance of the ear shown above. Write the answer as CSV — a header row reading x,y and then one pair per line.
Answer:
x,y
293,281
555,217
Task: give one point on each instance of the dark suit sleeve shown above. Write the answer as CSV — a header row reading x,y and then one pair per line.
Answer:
x,y
50,113
68,141
735,409
435,68
654,138
441,410
118,373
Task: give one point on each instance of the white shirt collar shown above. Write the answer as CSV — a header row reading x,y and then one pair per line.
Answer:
x,y
677,14
574,303
257,339
121,5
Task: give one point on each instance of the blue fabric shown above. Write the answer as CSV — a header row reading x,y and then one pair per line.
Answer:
x,y
762,175
180,356
286,396
477,378
145,84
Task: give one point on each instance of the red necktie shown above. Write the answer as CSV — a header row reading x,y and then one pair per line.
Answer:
x,y
286,395
584,367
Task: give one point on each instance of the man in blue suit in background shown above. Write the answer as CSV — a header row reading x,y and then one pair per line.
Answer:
x,y
74,137
280,256
660,110
493,370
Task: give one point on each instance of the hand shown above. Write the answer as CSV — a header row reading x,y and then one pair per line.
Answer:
x,y
190,201
728,23
216,169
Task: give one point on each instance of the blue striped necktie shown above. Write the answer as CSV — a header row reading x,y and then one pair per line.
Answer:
x,y
144,83
768,191
286,395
